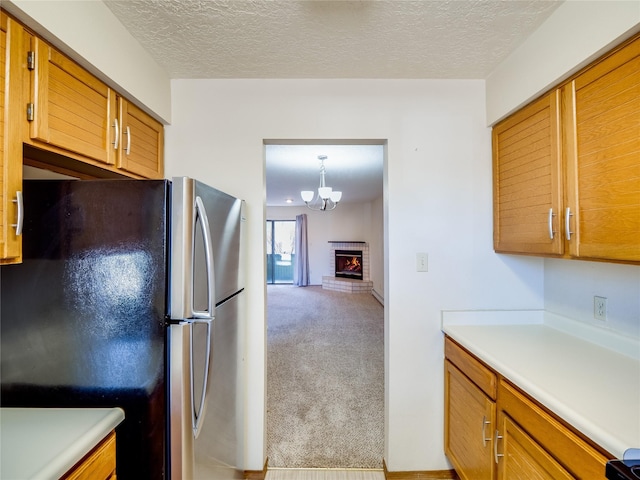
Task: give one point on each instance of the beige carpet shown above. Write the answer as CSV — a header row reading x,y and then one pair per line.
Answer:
x,y
325,379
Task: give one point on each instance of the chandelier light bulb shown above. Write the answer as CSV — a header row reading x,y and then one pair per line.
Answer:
x,y
324,192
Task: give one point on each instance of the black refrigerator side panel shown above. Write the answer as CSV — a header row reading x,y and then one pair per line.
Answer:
x,y
82,320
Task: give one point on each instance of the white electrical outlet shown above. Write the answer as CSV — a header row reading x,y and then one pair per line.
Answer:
x,y
600,308
422,262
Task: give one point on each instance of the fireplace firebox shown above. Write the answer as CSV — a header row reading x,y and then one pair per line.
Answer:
x,y
348,264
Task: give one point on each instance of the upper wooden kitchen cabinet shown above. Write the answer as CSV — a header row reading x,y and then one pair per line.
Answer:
x,y
11,38
527,179
602,130
74,114
69,110
567,166
141,142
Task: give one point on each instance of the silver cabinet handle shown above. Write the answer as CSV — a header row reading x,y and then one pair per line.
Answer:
x,y
497,455
551,215
116,142
567,223
485,422
128,134
19,214
197,415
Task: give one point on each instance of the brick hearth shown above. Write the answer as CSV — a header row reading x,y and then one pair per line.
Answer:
x,y
348,285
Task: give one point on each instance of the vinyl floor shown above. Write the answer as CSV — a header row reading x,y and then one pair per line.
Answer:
x,y
323,474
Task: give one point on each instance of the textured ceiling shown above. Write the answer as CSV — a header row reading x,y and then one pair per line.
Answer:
x,y
330,39
395,39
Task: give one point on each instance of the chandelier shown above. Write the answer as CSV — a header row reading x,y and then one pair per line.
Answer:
x,y
327,199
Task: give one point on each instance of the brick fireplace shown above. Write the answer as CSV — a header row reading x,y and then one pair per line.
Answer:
x,y
346,282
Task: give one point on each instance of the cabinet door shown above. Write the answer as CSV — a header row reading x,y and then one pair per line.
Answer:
x,y
72,110
142,142
603,158
11,39
523,458
469,421
527,180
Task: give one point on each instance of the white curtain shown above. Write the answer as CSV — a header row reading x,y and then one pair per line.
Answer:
x,y
301,267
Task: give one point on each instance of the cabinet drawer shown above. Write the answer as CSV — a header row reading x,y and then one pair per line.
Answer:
x,y
570,449
477,372
99,464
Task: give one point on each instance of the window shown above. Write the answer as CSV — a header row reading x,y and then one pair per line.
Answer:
x,y
281,241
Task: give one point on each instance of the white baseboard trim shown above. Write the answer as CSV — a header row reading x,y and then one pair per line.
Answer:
x,y
377,296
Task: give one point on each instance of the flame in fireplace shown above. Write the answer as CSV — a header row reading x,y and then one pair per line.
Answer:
x,y
352,265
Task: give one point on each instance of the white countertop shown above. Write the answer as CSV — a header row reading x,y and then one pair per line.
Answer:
x,y
594,388
44,443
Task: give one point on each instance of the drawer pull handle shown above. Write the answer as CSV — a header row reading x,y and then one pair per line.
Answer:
x,y
485,422
497,455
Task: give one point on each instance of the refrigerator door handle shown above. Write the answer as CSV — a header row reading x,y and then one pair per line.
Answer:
x,y
208,253
197,414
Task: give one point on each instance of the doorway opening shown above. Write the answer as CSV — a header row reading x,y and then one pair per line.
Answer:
x,y
325,349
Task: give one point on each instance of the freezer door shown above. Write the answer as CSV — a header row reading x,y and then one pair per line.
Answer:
x,y
202,214
224,214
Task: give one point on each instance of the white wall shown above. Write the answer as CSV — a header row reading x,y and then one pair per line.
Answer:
x,y
437,200
570,286
575,34
89,33
348,222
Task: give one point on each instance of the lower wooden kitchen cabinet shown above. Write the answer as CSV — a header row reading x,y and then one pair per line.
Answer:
x,y
493,430
99,464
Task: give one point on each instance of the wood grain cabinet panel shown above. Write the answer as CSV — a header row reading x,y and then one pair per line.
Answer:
x,y
141,142
11,40
72,110
574,452
523,458
469,423
602,122
528,180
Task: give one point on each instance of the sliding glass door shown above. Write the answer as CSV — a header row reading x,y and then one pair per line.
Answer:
x,y
281,241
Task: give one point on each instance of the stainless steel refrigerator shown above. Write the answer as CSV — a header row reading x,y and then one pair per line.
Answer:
x,y
129,295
